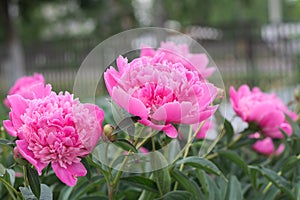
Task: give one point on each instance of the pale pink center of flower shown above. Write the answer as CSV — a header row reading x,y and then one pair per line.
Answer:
x,y
153,95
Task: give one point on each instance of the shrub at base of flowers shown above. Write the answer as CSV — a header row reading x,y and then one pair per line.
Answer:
x,y
48,141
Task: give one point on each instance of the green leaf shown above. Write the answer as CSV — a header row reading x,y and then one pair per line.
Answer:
x,y
141,182
271,194
200,163
296,129
290,163
65,193
6,143
178,195
234,157
125,145
34,181
186,183
163,180
146,195
211,191
2,170
229,130
253,177
234,189
126,124
94,197
279,181
46,193
27,193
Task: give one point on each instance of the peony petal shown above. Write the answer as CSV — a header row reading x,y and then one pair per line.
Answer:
x,y
264,146
69,175
287,128
18,107
28,155
122,63
133,105
111,78
169,112
91,137
209,92
147,51
10,128
170,131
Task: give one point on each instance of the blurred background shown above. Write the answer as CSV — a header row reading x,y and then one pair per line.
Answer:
x,y
252,41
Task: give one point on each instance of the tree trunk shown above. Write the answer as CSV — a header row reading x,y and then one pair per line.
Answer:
x,y
13,65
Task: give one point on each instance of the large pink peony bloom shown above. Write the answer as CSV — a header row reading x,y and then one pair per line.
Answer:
x,y
266,110
160,92
30,87
180,53
56,130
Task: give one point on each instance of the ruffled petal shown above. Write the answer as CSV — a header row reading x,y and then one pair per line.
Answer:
x,y
69,175
111,78
10,128
131,104
28,155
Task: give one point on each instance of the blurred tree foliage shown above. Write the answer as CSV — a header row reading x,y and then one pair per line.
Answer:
x,y
217,12
113,16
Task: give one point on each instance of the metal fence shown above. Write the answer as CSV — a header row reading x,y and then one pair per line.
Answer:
x,y
241,54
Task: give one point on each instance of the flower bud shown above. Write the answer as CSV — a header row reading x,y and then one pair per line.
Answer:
x,y
108,129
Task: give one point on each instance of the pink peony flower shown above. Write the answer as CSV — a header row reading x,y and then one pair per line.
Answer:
x,y
180,53
266,110
162,93
30,87
266,146
56,130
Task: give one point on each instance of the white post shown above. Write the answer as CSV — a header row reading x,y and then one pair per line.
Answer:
x,y
275,14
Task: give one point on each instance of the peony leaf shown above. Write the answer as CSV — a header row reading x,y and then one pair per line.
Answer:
x,y
126,124
178,195
229,130
34,181
200,163
234,157
125,145
188,184
27,193
46,193
141,182
290,163
279,181
234,189
163,180
7,143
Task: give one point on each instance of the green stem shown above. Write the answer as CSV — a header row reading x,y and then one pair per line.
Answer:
x,y
188,144
136,140
120,172
153,143
144,141
11,189
270,184
186,152
26,183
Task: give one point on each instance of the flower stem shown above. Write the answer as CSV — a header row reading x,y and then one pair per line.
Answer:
x,y
26,183
120,172
186,148
270,184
